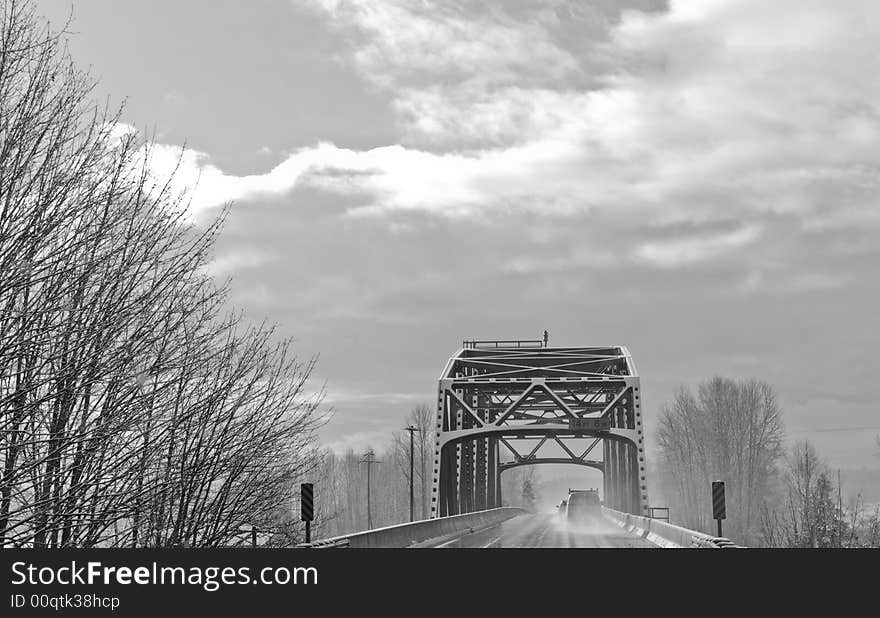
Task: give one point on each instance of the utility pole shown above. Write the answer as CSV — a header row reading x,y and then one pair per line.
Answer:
x,y
411,429
839,513
369,459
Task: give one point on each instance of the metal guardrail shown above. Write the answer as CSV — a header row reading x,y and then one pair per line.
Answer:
x,y
664,534
660,533
408,534
327,544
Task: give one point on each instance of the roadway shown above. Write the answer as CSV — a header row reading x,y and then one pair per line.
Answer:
x,y
546,530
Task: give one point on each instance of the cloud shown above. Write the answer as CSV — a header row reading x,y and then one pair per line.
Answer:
x,y
708,109
236,261
337,396
686,250
208,186
405,41
360,441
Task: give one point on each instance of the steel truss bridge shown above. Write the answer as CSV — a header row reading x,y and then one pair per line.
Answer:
x,y
503,404
582,403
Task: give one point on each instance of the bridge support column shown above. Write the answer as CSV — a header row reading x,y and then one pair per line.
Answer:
x,y
436,494
467,476
480,476
479,460
628,486
492,474
456,495
605,473
449,487
640,455
611,475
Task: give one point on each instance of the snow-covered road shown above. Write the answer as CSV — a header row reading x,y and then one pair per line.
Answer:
x,y
547,530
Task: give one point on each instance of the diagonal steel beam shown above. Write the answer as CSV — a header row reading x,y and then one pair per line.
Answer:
x,y
608,408
558,401
590,448
512,408
516,454
565,447
465,407
535,450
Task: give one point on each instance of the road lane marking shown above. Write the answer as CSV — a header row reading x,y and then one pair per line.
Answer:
x,y
448,543
491,543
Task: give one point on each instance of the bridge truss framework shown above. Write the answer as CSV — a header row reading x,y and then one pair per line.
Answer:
x,y
501,395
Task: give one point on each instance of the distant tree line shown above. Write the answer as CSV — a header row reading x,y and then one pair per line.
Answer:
x,y
732,430
341,492
341,489
135,408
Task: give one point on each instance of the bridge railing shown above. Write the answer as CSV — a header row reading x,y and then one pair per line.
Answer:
x,y
409,534
502,343
664,534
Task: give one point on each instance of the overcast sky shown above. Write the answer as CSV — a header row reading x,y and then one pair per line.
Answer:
x,y
696,180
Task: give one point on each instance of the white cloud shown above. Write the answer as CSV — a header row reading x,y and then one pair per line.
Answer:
x,y
236,261
336,396
360,441
209,186
582,258
679,251
405,40
729,109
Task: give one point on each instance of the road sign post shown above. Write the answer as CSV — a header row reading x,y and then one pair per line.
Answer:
x,y
307,507
719,511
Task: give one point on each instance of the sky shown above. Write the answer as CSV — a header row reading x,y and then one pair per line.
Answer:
x,y
695,179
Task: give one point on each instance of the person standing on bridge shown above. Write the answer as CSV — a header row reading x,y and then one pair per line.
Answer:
x,y
546,337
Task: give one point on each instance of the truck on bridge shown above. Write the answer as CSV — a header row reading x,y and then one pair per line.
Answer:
x,y
583,503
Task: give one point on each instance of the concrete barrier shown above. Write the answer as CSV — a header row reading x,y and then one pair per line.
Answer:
x,y
664,534
404,535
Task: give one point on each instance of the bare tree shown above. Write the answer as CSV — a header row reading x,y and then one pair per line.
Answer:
x,y
421,417
731,430
134,408
808,515
519,487
343,504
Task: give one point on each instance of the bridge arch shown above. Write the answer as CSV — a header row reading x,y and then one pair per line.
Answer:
x,y
596,465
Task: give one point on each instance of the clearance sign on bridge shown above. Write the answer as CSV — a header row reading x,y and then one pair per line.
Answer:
x,y
589,424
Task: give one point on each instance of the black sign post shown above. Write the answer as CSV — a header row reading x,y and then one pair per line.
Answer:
x,y
307,507
718,509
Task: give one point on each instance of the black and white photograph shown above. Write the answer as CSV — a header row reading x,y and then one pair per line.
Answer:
x,y
279,277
